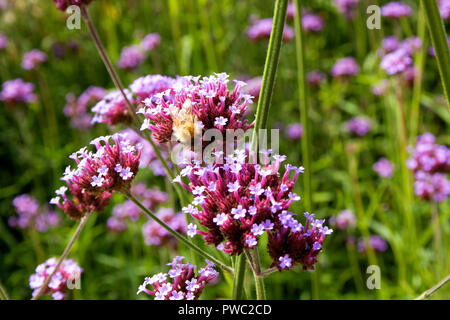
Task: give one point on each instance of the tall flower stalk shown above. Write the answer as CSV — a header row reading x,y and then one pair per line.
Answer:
x,y
439,40
265,97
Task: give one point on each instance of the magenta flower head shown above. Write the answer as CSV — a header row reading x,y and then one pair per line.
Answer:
x,y
390,43
17,92
150,41
395,10
294,131
146,87
182,282
76,108
31,216
64,4
346,7
193,106
312,22
240,201
291,11
33,58
376,242
111,168
345,67
315,78
68,272
344,220
155,235
397,61
432,186
131,58
358,126
113,109
444,8
3,42
261,29
428,156
384,168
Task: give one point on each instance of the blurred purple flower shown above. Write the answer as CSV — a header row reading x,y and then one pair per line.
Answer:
x,y
444,8
33,58
395,10
396,61
76,108
131,58
156,235
346,7
376,242
345,67
345,219
3,41
64,4
17,91
312,22
358,126
261,29
390,43
294,131
150,41
383,167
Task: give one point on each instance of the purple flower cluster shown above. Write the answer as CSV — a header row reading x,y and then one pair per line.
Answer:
x,y
240,201
150,198
194,105
131,57
150,41
31,216
3,42
376,242
113,109
312,22
399,55
64,4
444,8
345,67
181,282
67,272
76,108
253,87
315,77
33,58
384,168
17,91
111,168
261,29
430,163
395,10
156,235
346,7
294,131
344,220
358,126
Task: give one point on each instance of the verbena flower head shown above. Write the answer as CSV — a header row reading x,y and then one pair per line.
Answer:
x,y
428,156
261,29
113,108
131,58
33,58
150,41
397,61
147,86
240,201
291,11
315,77
444,8
346,7
17,92
344,220
68,271
3,42
156,235
390,43
182,282
376,242
294,131
111,168
64,4
31,216
432,186
358,126
345,67
384,168
195,105
253,87
76,108
312,22
395,10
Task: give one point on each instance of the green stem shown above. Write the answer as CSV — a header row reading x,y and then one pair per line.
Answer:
x,y
270,70
63,256
239,276
3,293
259,280
439,40
176,234
431,291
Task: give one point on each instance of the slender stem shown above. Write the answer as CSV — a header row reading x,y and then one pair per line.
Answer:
x,y
439,40
176,234
112,72
270,70
3,293
239,276
259,280
268,272
431,291
63,256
